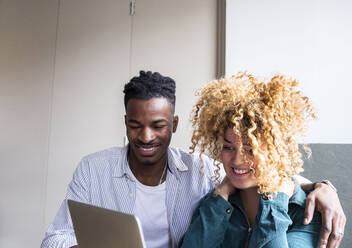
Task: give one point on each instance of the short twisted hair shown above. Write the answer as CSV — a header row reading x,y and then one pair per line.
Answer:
x,y
270,115
150,85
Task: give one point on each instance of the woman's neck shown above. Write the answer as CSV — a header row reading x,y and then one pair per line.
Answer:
x,y
250,201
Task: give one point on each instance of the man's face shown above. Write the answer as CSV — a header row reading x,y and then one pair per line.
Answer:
x,y
149,125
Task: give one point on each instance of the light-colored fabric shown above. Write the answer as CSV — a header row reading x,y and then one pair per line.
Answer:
x,y
150,208
300,180
102,179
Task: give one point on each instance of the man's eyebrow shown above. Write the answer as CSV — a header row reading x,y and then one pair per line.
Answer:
x,y
154,122
227,140
133,121
160,120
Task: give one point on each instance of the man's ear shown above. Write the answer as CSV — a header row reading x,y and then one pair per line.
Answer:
x,y
126,120
175,123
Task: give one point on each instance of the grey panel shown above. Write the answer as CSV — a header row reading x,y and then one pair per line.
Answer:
x,y
334,162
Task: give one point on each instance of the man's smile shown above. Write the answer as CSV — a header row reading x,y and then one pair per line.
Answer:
x,y
147,150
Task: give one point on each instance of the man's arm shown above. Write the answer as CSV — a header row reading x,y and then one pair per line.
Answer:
x,y
60,233
324,199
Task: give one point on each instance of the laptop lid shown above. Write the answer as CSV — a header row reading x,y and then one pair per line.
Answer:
x,y
99,227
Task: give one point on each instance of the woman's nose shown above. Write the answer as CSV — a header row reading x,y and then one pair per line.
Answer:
x,y
237,157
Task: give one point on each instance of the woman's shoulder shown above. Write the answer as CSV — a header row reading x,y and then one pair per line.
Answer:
x,y
298,197
297,204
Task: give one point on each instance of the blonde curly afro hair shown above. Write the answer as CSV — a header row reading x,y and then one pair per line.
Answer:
x,y
269,115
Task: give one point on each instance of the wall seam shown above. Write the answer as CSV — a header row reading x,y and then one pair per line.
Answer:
x,y
45,183
131,43
221,39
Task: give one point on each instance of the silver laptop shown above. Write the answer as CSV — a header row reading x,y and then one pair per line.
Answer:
x,y
99,227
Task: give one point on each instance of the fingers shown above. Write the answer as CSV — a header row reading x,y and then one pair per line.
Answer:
x,y
337,233
225,188
326,229
325,200
309,210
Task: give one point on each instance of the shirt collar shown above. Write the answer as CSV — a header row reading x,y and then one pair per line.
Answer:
x,y
121,164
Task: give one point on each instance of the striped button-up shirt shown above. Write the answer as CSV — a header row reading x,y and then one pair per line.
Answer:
x,y
103,179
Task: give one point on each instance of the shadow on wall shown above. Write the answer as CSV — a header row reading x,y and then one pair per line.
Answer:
x,y
334,162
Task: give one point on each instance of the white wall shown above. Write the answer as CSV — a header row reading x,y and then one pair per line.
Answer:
x,y
177,38
63,65
95,57
27,44
308,40
91,65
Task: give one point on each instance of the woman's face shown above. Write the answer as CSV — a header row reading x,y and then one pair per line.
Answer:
x,y
236,166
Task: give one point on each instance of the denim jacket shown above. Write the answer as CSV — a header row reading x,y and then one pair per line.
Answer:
x,y
279,223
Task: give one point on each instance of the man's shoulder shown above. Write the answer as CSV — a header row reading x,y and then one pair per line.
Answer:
x,y
113,152
193,161
104,161
189,157
197,162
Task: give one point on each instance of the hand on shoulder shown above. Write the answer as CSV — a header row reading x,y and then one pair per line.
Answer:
x,y
225,188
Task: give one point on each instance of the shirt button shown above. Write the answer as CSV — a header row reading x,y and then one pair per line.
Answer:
x,y
228,210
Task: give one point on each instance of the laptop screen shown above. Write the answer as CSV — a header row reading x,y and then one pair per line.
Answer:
x,y
99,227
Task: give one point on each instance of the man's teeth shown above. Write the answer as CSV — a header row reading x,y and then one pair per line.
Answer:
x,y
237,171
147,149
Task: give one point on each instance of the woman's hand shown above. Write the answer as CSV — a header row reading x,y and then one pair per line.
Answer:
x,y
225,188
287,187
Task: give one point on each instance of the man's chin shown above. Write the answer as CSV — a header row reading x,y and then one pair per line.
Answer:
x,y
148,161
149,164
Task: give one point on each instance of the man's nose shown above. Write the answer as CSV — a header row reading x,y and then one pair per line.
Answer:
x,y
147,135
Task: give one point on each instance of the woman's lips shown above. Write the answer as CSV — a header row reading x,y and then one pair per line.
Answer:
x,y
240,172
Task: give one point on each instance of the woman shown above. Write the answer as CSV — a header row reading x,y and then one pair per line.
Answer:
x,y
251,126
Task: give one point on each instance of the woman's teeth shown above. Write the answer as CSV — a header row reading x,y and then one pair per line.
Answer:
x,y
237,171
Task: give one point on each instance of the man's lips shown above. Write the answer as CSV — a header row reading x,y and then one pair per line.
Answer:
x,y
147,150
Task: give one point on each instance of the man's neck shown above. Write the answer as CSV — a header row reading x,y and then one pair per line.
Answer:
x,y
150,175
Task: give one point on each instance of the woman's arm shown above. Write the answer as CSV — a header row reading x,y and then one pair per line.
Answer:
x,y
300,235
279,224
274,227
324,199
211,218
209,223
271,223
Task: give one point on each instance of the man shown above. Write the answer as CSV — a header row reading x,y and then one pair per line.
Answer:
x,y
160,184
